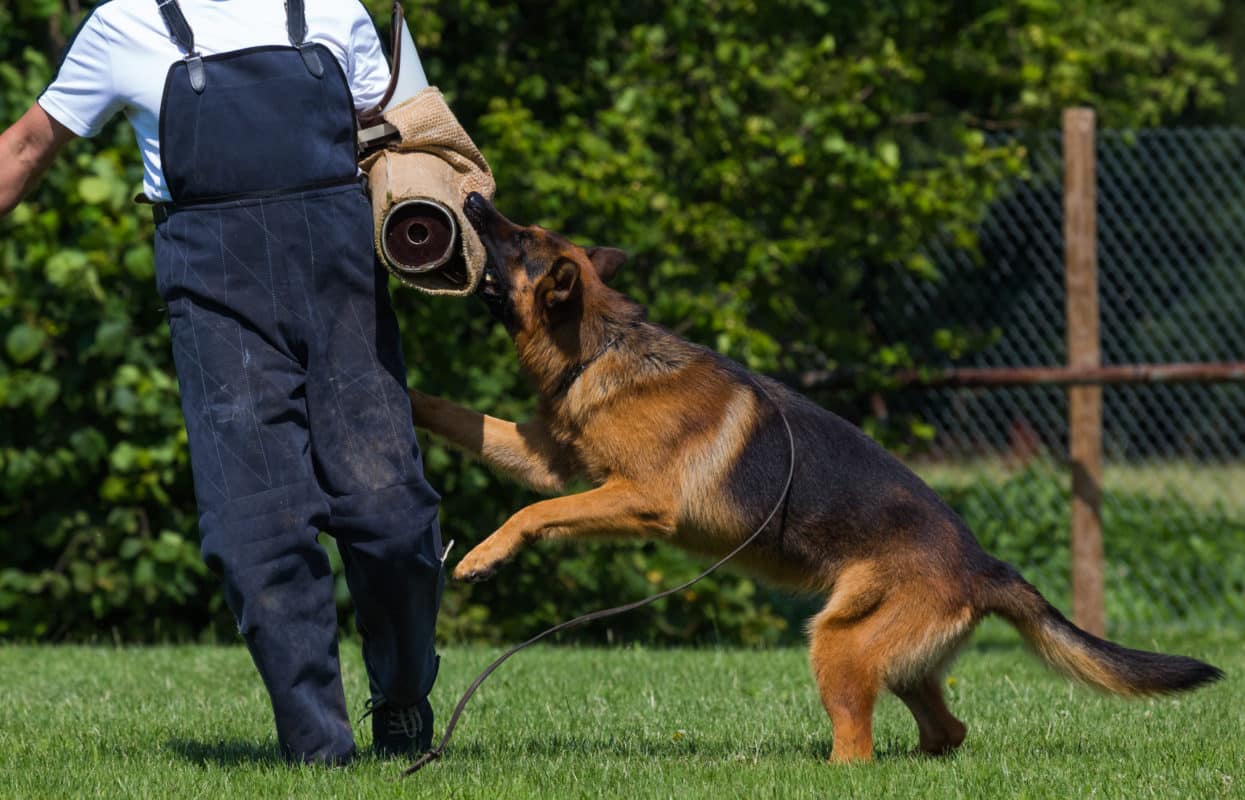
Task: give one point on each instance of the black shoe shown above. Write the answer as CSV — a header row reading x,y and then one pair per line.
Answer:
x,y
400,730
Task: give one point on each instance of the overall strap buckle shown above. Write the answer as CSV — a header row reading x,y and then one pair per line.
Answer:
x,y
198,75
182,34
296,27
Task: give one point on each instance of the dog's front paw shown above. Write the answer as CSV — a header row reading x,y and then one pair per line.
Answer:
x,y
481,563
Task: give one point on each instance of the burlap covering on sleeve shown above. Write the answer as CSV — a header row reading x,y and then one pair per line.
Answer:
x,y
434,160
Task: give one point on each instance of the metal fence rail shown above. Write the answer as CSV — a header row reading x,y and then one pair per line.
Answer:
x,y
1171,288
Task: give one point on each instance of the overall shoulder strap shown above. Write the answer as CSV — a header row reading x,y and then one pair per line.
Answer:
x,y
181,32
178,27
296,27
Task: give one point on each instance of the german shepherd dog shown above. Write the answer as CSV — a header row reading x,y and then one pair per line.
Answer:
x,y
687,447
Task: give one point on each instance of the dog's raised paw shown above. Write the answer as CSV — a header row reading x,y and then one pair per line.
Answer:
x,y
474,575
475,567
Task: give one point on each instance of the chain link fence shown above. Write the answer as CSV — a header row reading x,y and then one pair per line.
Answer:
x,y
1171,272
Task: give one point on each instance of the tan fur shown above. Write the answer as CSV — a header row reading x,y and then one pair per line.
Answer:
x,y
524,451
618,508
703,465
1056,648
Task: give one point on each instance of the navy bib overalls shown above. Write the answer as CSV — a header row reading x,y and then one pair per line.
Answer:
x,y
292,380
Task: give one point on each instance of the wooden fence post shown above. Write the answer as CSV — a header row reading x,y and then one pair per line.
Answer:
x,y
1084,402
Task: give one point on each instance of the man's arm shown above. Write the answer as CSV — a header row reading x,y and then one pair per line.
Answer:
x,y
26,150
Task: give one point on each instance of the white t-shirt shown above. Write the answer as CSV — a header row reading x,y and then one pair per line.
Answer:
x,y
122,53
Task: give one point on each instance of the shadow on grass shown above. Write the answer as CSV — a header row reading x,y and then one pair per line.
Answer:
x,y
239,753
589,747
564,745
226,752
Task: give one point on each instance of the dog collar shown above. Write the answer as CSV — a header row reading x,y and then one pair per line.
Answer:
x,y
572,374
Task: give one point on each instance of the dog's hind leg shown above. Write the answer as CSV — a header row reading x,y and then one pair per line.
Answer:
x,y
849,688
848,675
887,626
931,622
940,731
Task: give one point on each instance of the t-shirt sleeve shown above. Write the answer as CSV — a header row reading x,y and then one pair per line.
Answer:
x,y
82,96
369,70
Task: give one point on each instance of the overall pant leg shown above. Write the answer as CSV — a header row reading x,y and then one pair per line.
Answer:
x,y
382,510
243,387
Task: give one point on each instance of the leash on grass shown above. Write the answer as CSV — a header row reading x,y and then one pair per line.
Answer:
x,y
436,752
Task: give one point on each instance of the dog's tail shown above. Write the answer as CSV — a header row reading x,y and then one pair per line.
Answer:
x,y
1081,655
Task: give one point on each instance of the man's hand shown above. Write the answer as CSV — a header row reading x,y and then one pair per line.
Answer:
x,y
26,150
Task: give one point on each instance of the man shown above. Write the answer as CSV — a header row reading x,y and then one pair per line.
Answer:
x,y
287,351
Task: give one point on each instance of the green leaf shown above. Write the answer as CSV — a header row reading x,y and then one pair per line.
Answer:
x,y
888,152
24,342
94,189
67,268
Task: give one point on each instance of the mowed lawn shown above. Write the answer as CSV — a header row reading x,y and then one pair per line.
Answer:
x,y
575,722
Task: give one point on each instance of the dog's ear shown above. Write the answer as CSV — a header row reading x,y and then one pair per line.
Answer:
x,y
607,260
561,284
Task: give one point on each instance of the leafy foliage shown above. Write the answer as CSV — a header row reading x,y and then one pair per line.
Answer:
x,y
1166,558
767,164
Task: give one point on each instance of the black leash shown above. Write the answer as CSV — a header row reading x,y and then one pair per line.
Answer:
x,y
436,752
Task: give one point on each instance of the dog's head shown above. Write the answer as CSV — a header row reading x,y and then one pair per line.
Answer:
x,y
534,278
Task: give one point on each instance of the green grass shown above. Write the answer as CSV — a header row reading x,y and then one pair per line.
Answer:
x,y
1199,485
562,722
